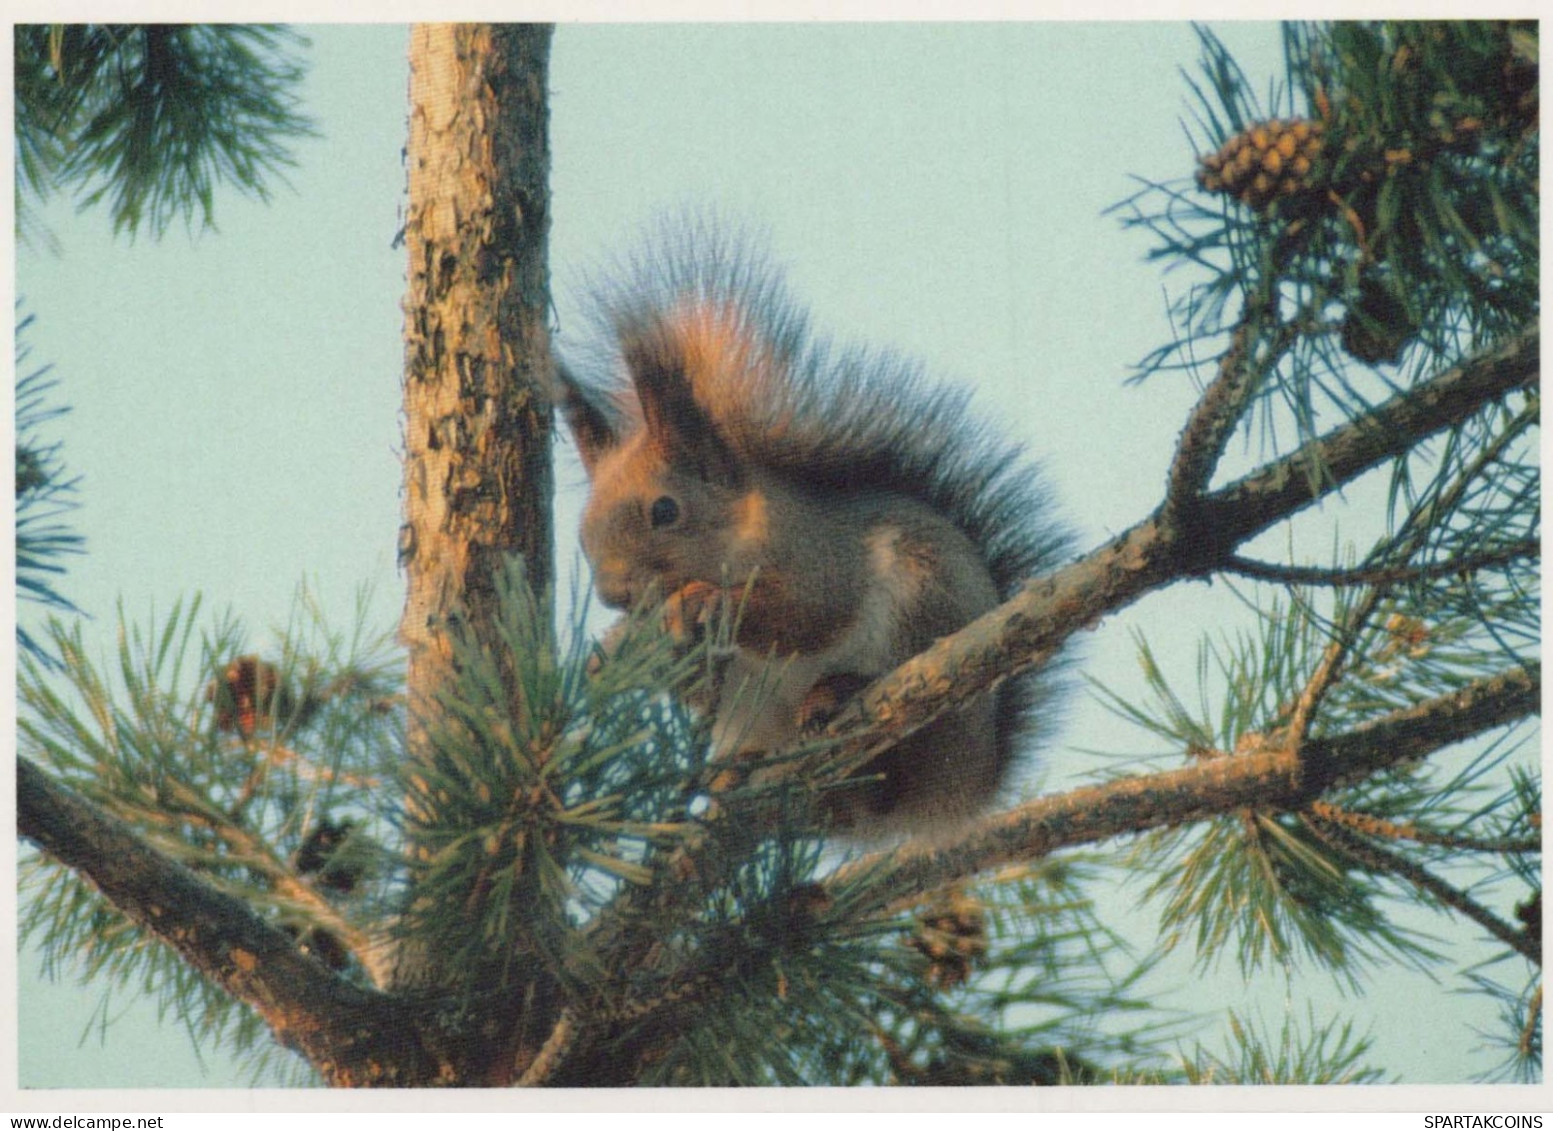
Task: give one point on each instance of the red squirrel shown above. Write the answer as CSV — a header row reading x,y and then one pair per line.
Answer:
x,y
858,511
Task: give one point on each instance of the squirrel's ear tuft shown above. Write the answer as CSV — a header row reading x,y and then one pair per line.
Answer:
x,y
591,428
678,427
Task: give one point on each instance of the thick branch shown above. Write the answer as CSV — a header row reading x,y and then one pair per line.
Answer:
x,y
1277,490
353,1036
1279,779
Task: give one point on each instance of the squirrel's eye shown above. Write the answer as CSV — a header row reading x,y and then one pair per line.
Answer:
x,y
665,512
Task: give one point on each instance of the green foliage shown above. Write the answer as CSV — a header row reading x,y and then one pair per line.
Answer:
x,y
1519,1031
144,740
150,117
545,786
1328,1054
840,991
1434,153
43,496
1055,999
1278,887
1261,881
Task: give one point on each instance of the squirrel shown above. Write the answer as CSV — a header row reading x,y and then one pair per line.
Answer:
x,y
857,510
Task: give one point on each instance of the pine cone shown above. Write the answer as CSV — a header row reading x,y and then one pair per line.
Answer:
x,y
1530,916
318,855
952,936
1266,162
245,695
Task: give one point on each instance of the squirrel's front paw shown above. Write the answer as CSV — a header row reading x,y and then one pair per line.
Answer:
x,y
687,610
825,698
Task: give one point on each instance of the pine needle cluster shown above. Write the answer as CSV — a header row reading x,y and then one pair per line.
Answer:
x,y
1411,240
45,493
559,851
562,838
150,117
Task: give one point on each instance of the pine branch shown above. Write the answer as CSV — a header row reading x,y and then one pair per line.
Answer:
x,y
179,805
1277,779
576,1054
1384,575
1377,859
552,1054
1373,826
288,885
1333,659
1393,428
354,1036
1527,1044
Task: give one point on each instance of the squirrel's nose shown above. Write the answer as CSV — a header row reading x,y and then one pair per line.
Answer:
x,y
615,597
610,579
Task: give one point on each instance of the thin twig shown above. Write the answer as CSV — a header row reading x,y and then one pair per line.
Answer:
x,y
1378,859
1374,826
1528,1041
1384,575
1325,677
1031,627
552,1054
255,852
1408,540
1219,410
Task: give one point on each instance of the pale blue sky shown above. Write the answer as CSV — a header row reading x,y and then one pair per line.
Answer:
x,y
935,188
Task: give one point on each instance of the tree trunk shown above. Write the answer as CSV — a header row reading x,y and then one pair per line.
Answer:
x,y
477,474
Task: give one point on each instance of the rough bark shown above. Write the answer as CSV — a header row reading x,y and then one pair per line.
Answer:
x,y
589,1051
1192,534
477,415
478,490
478,487
359,1037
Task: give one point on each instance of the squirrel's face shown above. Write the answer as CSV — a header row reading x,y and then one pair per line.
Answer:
x,y
652,526
672,502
